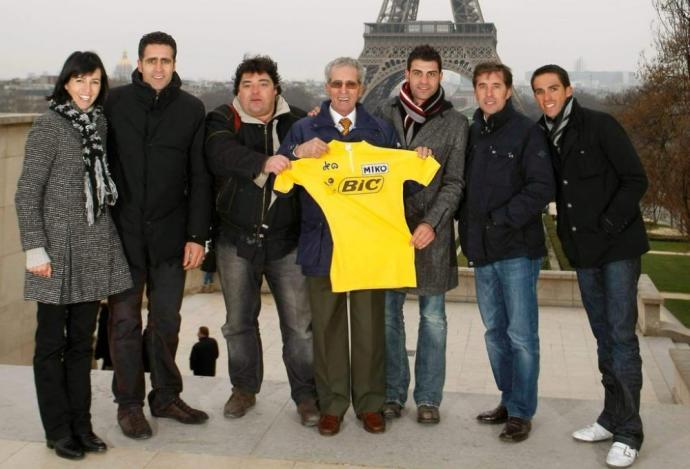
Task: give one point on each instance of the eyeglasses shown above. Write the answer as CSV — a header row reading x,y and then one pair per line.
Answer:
x,y
337,84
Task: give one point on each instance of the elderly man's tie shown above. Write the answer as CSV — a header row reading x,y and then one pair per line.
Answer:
x,y
346,123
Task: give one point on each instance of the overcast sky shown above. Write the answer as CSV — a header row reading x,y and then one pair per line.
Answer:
x,y
302,35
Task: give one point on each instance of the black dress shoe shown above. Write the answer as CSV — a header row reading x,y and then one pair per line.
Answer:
x,y
66,447
516,430
91,443
497,415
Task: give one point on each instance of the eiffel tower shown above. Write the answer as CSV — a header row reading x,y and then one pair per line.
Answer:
x,y
462,43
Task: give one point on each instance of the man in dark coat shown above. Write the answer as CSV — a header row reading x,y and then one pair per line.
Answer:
x,y
340,118
509,182
202,360
422,116
258,237
600,182
163,217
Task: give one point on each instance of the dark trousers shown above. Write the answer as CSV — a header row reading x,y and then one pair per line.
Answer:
x,y
609,294
164,289
241,283
336,379
62,367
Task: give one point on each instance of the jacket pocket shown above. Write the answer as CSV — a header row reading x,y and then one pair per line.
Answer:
x,y
226,195
502,167
590,163
501,239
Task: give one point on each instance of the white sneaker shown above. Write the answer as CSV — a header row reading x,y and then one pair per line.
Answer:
x,y
592,433
621,455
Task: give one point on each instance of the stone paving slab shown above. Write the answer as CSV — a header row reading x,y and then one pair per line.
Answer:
x,y
568,350
270,435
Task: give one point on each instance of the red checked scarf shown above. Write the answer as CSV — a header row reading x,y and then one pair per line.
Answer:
x,y
417,115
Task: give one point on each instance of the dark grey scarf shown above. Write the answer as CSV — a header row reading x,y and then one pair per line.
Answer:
x,y
99,187
556,126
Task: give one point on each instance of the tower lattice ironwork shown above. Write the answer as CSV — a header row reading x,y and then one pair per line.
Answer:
x,y
463,43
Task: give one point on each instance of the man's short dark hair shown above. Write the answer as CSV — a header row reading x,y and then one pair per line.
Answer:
x,y
203,330
157,37
493,67
257,64
79,63
551,68
426,53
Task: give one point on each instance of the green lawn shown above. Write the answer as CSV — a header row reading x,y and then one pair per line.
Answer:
x,y
462,260
670,246
680,309
669,273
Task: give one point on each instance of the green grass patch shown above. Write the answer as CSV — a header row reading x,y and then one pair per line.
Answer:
x,y
462,260
680,309
670,246
669,273
552,238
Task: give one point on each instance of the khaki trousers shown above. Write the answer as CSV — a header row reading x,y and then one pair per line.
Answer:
x,y
338,378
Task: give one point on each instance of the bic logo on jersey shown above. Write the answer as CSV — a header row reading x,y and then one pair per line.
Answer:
x,y
361,185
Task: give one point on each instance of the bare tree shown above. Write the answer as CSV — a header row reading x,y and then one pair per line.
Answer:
x,y
657,114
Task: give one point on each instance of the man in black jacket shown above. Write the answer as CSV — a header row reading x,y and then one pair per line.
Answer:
x,y
163,215
202,360
509,181
600,184
258,237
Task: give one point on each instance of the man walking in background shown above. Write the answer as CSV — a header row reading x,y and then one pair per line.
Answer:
x,y
202,360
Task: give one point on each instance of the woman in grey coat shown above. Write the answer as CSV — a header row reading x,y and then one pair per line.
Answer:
x,y
73,254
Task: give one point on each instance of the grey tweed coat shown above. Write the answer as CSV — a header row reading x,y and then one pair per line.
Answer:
x,y
88,262
446,134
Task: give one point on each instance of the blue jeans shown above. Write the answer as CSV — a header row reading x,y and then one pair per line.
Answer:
x,y
430,361
609,294
507,298
241,284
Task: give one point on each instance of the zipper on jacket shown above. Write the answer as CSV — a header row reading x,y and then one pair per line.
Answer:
x,y
261,225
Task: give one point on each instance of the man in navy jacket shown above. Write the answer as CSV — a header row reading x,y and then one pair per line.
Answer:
x,y
509,181
340,118
600,184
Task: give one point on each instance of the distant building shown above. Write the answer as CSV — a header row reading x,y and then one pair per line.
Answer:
x,y
597,81
123,69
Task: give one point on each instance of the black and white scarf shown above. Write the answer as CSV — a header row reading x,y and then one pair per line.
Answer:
x,y
418,114
556,126
99,187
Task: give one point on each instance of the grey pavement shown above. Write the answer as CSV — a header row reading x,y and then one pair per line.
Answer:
x,y
270,435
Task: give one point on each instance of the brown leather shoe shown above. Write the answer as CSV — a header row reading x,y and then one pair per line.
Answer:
x,y
238,404
329,425
495,416
308,412
391,410
516,430
373,422
428,414
133,423
178,410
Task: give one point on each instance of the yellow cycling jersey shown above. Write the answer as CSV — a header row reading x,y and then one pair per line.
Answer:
x,y
359,187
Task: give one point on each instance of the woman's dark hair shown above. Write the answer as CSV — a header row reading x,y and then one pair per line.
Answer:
x,y
79,63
